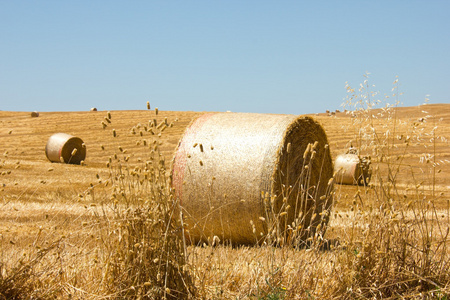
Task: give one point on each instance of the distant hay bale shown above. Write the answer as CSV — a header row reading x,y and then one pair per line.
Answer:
x,y
34,114
65,148
226,163
94,109
350,169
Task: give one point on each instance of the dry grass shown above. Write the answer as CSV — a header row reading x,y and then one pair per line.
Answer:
x,y
90,232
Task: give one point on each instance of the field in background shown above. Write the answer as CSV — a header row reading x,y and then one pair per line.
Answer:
x,y
23,141
42,201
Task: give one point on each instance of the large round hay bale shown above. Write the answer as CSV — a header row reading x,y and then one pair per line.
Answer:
x,y
349,168
34,114
65,148
235,175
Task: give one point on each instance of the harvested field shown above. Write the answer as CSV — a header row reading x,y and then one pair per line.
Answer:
x,y
43,201
23,150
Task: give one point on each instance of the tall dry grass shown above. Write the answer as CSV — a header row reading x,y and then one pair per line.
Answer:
x,y
142,246
397,245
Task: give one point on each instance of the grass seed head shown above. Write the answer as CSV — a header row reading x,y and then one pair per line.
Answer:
x,y
307,150
314,147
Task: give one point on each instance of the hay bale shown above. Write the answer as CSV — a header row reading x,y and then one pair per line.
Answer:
x,y
227,162
34,114
93,109
350,169
65,148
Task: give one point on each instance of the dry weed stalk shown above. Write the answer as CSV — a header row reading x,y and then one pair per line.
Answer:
x,y
35,275
144,255
310,223
398,242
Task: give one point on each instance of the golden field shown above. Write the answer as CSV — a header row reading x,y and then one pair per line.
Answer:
x,y
44,202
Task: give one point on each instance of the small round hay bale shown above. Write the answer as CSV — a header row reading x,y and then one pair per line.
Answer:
x,y
227,164
93,108
65,148
349,168
34,114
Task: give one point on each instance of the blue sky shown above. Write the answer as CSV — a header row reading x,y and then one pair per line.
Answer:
x,y
243,56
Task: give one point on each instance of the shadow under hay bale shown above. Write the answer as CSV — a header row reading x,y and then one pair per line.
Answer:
x,y
350,169
65,148
242,176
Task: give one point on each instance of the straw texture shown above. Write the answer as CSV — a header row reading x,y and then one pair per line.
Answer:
x,y
226,163
65,148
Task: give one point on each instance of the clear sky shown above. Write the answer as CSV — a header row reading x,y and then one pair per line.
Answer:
x,y
238,55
